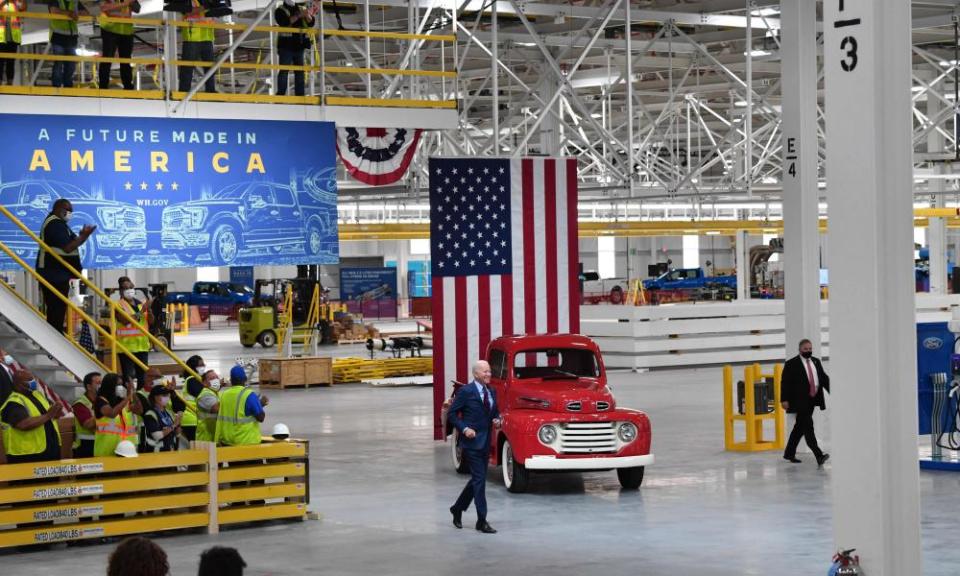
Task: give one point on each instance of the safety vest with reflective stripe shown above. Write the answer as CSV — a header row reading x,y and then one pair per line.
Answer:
x,y
10,30
152,445
72,258
112,431
79,432
26,442
122,28
301,23
132,338
234,426
66,27
194,34
206,421
189,419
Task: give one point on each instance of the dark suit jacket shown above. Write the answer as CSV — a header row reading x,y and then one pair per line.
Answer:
x,y
468,411
6,384
796,387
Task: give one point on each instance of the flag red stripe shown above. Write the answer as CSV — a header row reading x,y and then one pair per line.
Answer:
x,y
483,304
461,337
529,255
438,367
550,215
506,303
573,247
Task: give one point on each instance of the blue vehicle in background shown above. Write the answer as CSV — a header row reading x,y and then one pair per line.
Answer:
x,y
693,279
216,294
121,228
253,215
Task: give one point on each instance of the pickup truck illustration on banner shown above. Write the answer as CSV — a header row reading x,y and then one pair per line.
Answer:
x,y
174,192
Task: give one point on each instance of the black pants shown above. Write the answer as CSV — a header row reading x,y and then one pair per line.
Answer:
x,y
475,489
803,428
122,45
56,308
295,58
130,369
8,64
197,51
84,450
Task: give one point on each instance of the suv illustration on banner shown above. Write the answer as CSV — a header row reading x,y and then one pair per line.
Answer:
x,y
121,228
250,216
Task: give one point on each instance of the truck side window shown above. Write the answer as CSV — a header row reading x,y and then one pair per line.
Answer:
x,y
284,196
498,364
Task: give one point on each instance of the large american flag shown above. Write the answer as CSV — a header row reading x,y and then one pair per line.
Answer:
x,y
503,246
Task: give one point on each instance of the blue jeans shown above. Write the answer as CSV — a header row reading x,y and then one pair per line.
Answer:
x,y
295,58
63,45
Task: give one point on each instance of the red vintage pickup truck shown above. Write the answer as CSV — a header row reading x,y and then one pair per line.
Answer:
x,y
558,413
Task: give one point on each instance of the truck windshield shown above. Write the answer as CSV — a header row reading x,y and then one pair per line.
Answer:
x,y
556,363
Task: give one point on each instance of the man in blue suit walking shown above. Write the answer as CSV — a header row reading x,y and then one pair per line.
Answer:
x,y
474,412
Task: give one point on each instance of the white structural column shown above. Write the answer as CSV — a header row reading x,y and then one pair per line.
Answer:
x,y
550,127
875,475
743,265
798,52
937,229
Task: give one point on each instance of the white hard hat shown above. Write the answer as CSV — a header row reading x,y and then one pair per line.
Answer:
x,y
280,431
126,449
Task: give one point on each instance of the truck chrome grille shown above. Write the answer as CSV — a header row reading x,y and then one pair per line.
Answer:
x,y
588,437
574,406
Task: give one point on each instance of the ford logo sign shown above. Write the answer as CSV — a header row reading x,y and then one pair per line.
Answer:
x,y
933,343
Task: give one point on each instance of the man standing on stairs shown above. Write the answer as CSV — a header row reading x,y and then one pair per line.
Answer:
x,y
129,335
56,234
29,422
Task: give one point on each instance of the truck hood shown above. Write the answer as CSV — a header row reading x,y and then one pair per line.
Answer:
x,y
198,203
563,396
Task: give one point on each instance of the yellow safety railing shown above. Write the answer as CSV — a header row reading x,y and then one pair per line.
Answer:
x,y
753,422
316,34
204,487
115,310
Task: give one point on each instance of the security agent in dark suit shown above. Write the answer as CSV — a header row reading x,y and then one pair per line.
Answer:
x,y
803,383
474,413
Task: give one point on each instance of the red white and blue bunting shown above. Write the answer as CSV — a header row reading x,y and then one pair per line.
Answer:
x,y
377,155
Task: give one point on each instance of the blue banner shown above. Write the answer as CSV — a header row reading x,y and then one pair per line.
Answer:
x,y
168,192
242,275
367,284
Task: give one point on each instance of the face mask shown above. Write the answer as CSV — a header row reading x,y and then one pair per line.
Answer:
x,y
200,370
32,385
8,360
164,400
215,385
129,293
806,354
158,382
121,392
67,216
288,2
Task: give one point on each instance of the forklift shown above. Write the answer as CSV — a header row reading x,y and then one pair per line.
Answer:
x,y
261,322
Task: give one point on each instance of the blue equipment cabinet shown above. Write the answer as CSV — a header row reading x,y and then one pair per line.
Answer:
x,y
934,348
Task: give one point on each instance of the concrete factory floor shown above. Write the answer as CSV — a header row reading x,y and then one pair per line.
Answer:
x,y
383,487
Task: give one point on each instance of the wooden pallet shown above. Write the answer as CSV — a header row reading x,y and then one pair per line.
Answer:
x,y
275,384
295,372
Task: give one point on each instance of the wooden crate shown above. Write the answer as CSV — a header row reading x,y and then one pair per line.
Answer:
x,y
282,372
318,371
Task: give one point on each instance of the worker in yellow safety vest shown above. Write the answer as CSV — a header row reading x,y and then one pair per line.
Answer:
x,y
241,412
64,36
117,40
84,418
192,387
10,36
197,46
208,404
117,415
29,422
133,335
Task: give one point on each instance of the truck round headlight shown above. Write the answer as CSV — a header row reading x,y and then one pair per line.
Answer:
x,y
627,432
548,434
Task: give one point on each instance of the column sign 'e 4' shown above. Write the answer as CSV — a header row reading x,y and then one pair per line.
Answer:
x,y
849,43
791,156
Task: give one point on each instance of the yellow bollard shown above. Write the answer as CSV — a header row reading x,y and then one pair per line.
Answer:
x,y
778,409
728,407
748,379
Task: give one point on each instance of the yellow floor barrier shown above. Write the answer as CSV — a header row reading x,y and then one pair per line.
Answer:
x,y
753,423
360,369
78,499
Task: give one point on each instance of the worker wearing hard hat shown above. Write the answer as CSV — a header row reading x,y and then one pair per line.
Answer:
x,y
241,412
208,404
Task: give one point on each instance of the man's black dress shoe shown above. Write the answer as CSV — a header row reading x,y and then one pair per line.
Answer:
x,y
822,459
456,517
485,528
793,459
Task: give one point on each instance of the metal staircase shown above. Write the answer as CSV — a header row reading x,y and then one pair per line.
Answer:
x,y
35,344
